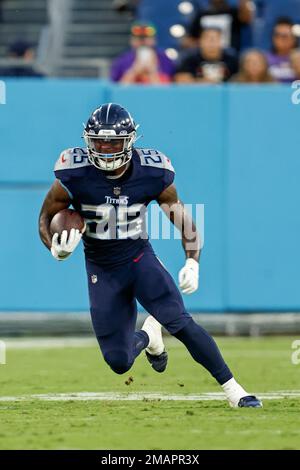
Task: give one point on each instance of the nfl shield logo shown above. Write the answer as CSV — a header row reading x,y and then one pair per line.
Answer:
x,y
117,191
94,278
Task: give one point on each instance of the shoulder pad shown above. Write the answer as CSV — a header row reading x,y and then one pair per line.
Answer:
x,y
154,158
72,158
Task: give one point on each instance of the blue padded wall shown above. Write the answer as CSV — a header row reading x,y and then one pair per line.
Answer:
x,y
235,149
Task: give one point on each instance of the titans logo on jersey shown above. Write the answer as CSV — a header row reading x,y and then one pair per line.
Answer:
x,y
114,209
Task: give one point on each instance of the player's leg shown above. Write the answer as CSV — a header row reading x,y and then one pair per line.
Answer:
x,y
113,311
155,351
156,291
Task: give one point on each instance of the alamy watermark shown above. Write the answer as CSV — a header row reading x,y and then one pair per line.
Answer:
x,y
164,222
296,93
2,352
295,357
2,92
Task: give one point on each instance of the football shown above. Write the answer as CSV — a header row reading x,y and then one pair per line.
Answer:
x,y
66,220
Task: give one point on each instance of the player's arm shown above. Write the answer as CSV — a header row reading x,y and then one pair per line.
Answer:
x,y
175,211
179,216
56,200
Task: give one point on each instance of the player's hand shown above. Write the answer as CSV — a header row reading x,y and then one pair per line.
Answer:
x,y
63,249
189,276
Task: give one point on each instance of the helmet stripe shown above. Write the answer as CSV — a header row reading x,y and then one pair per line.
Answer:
x,y
107,113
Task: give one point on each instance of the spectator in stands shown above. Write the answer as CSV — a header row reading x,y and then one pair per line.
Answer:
x,y
295,61
253,68
23,51
219,14
126,6
283,42
144,62
210,64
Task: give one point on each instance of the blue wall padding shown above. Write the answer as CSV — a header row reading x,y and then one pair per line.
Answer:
x,y
235,149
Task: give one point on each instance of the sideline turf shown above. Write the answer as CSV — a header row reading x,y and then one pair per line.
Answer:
x,y
262,365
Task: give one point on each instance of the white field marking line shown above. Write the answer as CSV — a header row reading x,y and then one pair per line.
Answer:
x,y
90,341
50,343
140,396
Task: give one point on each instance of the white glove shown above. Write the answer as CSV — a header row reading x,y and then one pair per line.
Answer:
x,y
65,248
188,276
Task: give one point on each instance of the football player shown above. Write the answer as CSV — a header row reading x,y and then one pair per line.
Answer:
x,y
109,183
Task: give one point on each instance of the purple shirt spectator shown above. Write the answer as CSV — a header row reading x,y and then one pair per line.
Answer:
x,y
122,63
143,62
280,68
283,42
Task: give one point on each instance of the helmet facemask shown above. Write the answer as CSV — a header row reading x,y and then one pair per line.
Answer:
x,y
109,161
108,124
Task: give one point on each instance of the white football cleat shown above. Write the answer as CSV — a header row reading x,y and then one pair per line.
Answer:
x,y
155,351
153,330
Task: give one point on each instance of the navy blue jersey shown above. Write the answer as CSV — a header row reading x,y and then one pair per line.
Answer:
x,y
114,209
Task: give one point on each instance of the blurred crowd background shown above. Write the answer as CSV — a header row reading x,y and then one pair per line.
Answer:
x,y
152,41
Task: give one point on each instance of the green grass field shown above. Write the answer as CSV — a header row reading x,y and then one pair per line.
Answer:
x,y
262,365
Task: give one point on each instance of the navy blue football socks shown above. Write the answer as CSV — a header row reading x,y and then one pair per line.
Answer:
x,y
204,350
141,341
